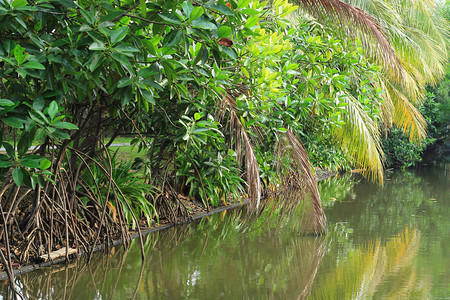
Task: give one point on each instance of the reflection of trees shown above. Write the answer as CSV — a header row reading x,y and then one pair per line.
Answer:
x,y
378,261
223,257
378,271
236,255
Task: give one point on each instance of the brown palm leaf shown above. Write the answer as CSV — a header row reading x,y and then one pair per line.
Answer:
x,y
241,141
300,176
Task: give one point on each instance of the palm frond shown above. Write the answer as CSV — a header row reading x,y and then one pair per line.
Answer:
x,y
357,23
299,174
403,113
242,142
359,138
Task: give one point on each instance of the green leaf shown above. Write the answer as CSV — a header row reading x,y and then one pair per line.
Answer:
x,y
24,143
125,49
147,95
38,103
38,116
4,161
187,8
13,122
252,21
89,16
223,9
119,34
197,116
171,19
173,38
224,31
66,125
45,164
120,58
10,150
97,46
19,54
59,134
123,82
203,24
19,3
145,72
250,11
6,103
196,13
17,176
30,162
34,65
242,3
96,61
52,110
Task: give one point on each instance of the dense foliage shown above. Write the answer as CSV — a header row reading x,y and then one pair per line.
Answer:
x,y
219,94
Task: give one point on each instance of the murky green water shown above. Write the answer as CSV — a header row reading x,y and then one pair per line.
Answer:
x,y
383,243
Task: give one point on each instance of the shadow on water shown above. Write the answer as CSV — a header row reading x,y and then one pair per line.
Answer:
x,y
382,243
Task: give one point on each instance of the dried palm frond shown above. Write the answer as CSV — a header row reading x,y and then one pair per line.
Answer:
x,y
298,174
242,141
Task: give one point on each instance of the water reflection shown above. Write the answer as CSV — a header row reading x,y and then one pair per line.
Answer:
x,y
383,243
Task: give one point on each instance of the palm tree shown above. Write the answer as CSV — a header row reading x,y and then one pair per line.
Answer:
x,y
408,38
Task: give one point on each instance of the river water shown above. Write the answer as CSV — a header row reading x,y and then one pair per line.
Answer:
x,y
390,242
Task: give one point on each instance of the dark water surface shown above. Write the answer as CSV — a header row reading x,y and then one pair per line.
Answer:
x,y
382,243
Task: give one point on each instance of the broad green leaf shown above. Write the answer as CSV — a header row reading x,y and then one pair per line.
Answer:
x,y
19,3
187,8
125,49
173,38
85,27
52,110
252,21
17,176
123,82
13,122
5,163
96,61
59,134
30,162
24,143
89,16
196,13
38,103
19,54
224,31
34,65
171,19
147,95
223,9
66,125
119,34
97,46
145,72
38,116
203,24
197,116
242,4
45,164
6,103
250,11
